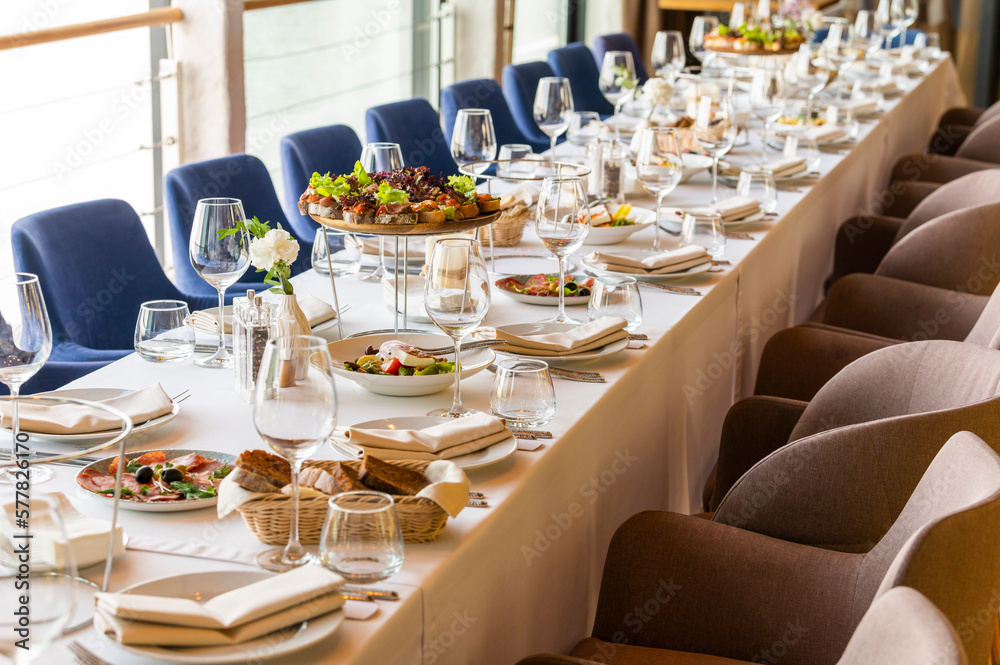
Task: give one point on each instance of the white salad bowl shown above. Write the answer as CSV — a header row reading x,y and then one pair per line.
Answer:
x,y
612,235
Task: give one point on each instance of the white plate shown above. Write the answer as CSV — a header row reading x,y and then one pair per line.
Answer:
x,y
205,586
489,455
524,264
96,395
156,506
694,164
662,277
778,179
473,362
549,327
672,223
552,301
612,235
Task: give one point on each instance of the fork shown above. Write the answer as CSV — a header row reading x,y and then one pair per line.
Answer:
x,y
571,375
84,656
476,344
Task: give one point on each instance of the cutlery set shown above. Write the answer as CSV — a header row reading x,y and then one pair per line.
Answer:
x,y
568,374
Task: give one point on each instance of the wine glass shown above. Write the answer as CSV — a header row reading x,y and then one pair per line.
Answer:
x,y
553,104
25,345
659,168
891,16
715,131
767,99
811,75
911,12
839,48
294,411
584,127
702,27
866,33
668,55
457,298
562,222
617,82
53,583
219,261
473,139
376,158
743,13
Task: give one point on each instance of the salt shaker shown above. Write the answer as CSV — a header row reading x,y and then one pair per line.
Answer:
x,y
613,172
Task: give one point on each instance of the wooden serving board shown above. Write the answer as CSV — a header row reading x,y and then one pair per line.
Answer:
x,y
734,51
410,229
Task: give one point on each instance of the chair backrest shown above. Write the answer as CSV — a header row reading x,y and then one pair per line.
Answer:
x,y
620,41
576,62
334,148
416,127
983,143
955,251
238,176
95,266
483,94
992,111
968,191
986,332
902,627
519,85
942,544
909,38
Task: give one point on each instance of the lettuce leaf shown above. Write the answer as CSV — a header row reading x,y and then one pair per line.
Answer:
x,y
327,186
462,184
389,194
361,175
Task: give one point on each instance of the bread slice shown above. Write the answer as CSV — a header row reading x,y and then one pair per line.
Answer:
x,y
489,205
346,479
389,478
258,465
251,481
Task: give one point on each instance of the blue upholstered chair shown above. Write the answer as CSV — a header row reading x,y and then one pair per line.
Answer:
x,y
335,149
576,62
620,41
55,374
907,39
519,85
96,267
484,94
416,127
911,35
238,176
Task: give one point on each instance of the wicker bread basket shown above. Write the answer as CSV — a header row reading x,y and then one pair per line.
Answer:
x,y
507,230
420,519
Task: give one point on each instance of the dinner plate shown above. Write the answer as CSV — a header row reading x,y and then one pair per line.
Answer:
x,y
552,300
205,586
96,395
672,222
489,455
612,235
102,465
704,267
525,264
473,362
694,164
550,327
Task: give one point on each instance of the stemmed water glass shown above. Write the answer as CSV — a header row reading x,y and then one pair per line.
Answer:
x,y
840,48
811,75
53,583
715,131
659,168
562,222
617,82
294,411
767,99
552,108
375,158
866,32
668,55
25,345
219,261
701,28
457,298
473,138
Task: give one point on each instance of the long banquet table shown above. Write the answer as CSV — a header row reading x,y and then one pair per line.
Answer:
x,y
522,575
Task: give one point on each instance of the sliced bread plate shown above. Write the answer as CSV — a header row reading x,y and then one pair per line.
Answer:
x,y
205,586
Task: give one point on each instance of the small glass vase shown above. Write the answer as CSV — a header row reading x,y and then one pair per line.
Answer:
x,y
289,319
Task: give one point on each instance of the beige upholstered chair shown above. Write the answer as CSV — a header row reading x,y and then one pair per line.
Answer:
x,y
955,126
863,241
798,361
682,590
979,150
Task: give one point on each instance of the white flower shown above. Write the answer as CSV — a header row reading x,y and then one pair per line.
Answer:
x,y
657,91
276,245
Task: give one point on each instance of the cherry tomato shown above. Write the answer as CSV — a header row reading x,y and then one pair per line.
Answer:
x,y
391,366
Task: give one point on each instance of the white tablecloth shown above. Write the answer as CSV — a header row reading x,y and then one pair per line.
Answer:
x,y
522,575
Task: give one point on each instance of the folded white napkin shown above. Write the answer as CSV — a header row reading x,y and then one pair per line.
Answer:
x,y
824,133
443,441
586,337
664,263
88,536
861,105
785,166
733,208
207,320
140,405
230,618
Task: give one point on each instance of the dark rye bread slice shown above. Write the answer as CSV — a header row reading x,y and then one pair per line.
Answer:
x,y
346,478
389,478
260,471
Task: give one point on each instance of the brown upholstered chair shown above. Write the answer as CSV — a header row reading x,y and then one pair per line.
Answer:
x,y
909,393
901,627
681,590
955,126
979,150
798,361
863,241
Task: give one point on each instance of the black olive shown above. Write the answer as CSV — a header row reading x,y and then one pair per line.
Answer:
x,y
571,287
584,291
144,474
171,475
371,350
